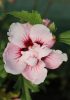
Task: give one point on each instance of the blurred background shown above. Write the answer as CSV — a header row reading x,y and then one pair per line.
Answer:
x,y
58,85
56,10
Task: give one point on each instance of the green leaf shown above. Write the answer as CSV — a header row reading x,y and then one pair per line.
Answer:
x,y
52,76
65,37
18,84
52,27
3,73
32,87
26,86
2,45
25,16
25,91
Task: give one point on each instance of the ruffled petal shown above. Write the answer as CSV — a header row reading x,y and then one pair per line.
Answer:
x,y
36,74
32,61
41,34
55,59
18,33
12,59
29,58
42,51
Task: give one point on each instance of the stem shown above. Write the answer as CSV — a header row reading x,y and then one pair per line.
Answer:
x,y
25,91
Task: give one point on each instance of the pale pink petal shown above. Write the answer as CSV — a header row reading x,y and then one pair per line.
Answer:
x,y
12,59
32,61
27,27
18,33
51,42
42,51
28,58
36,74
55,59
41,34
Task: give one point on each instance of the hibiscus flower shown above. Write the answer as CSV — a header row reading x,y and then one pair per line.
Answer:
x,y
29,52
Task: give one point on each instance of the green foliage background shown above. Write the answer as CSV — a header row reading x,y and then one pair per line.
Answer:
x,y
56,10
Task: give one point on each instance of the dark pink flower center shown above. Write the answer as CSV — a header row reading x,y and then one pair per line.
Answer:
x,y
28,43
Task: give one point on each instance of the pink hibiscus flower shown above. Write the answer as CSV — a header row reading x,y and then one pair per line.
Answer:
x,y
28,52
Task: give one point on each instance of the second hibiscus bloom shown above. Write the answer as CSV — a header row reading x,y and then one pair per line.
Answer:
x,y
29,52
